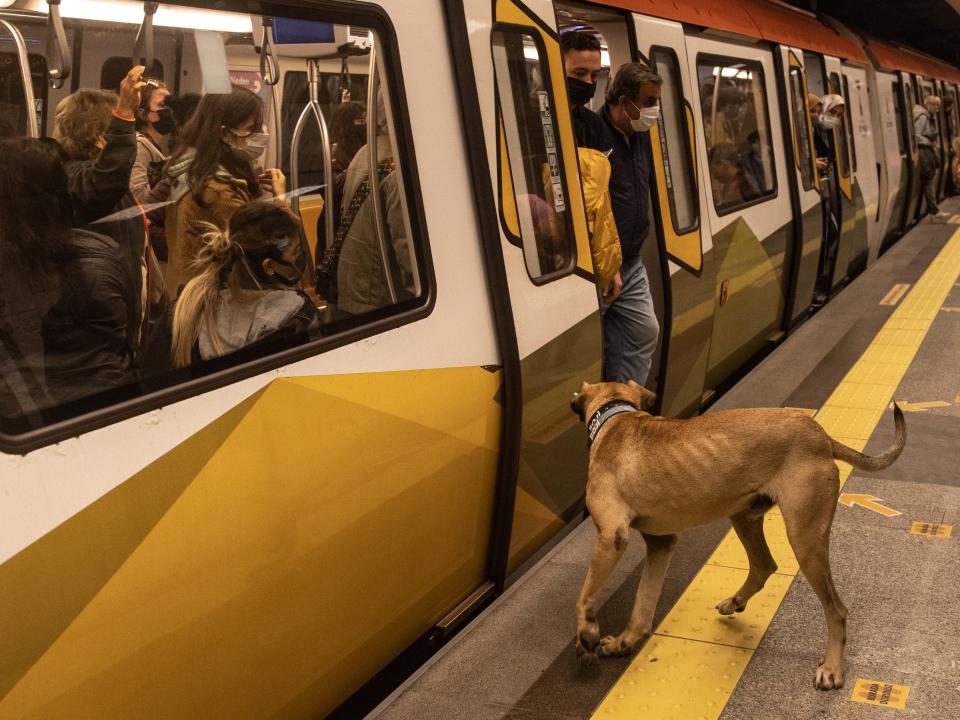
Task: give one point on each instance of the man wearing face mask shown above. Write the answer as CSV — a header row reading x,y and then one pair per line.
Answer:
x,y
630,325
154,122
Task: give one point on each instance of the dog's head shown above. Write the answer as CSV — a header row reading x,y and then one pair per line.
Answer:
x,y
600,393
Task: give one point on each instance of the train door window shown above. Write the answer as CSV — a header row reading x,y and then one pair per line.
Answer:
x,y
816,79
116,68
675,139
909,115
13,111
842,134
848,120
736,123
527,111
799,114
898,116
89,338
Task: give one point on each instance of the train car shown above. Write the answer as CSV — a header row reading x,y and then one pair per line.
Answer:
x,y
262,534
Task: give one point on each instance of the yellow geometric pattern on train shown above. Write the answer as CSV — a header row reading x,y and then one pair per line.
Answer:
x,y
268,565
689,669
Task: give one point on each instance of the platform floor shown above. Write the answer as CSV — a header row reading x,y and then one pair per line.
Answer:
x,y
517,660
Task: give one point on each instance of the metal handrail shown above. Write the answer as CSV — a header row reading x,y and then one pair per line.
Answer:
x,y
374,176
313,105
269,70
24,61
58,70
143,46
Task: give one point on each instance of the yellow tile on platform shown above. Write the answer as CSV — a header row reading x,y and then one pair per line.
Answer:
x,y
875,373
888,355
695,616
730,552
901,323
899,337
675,679
849,422
861,395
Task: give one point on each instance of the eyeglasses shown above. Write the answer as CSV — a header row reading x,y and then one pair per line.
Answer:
x,y
248,133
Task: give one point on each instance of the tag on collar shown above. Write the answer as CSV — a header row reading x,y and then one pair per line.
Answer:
x,y
606,411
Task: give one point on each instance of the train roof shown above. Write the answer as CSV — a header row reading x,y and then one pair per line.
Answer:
x,y
780,23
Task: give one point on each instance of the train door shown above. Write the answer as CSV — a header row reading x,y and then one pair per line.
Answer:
x,y
908,86
926,89
943,132
894,156
866,170
807,209
852,250
745,196
952,123
676,208
528,133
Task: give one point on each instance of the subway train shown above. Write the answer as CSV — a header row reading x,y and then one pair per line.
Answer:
x,y
267,534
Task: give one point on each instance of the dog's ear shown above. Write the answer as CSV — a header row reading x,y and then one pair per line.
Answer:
x,y
646,399
579,401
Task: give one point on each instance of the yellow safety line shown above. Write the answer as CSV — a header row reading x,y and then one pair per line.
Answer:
x,y
690,667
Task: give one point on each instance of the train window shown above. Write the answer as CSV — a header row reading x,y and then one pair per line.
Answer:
x,y
13,111
114,68
527,112
909,116
736,123
211,276
799,114
842,134
898,116
675,139
848,120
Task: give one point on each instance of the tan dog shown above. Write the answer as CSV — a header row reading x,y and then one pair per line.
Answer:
x,y
661,476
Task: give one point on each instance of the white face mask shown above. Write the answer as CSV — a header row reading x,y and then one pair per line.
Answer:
x,y
647,119
830,121
256,145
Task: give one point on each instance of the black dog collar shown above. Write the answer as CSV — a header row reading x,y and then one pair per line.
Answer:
x,y
606,411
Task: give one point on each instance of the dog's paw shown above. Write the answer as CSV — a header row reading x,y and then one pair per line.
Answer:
x,y
612,646
828,678
731,605
588,642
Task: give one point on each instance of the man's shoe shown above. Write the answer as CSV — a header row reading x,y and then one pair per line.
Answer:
x,y
940,217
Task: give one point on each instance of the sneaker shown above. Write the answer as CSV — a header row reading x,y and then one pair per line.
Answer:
x,y
940,217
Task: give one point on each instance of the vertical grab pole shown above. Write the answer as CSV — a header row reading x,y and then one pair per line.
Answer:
x,y
32,126
374,176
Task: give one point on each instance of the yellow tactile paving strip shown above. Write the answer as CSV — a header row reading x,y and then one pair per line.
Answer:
x,y
690,667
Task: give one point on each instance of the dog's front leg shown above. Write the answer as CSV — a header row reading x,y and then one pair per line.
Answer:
x,y
609,546
659,551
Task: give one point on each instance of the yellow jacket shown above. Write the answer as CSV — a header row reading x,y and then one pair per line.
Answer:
x,y
604,238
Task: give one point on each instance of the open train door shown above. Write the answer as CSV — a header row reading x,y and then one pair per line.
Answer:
x,y
908,98
804,186
675,203
527,134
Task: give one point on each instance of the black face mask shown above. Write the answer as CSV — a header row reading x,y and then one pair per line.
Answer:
x,y
166,122
299,265
580,92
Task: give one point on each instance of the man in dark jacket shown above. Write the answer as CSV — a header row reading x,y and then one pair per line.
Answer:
x,y
630,326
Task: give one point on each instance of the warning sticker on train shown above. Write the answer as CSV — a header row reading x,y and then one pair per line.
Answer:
x,y
550,144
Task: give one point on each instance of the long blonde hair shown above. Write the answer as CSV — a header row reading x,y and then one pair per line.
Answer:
x,y
229,259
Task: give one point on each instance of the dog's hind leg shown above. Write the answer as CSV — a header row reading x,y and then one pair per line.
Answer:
x,y
808,517
611,541
659,551
749,528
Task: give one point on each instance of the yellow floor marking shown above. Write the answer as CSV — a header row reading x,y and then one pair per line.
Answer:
x,y
694,677
921,406
931,529
869,502
730,552
896,292
877,692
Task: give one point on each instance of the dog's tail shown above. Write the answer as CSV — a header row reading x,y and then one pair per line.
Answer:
x,y
884,460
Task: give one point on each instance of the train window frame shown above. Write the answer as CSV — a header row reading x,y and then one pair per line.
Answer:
x,y
849,124
805,160
689,161
94,413
836,88
122,61
721,60
544,60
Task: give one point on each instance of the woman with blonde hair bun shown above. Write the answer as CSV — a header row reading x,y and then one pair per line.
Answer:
x,y
245,287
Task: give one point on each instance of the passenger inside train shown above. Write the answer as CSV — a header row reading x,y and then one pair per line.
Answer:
x,y
156,171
